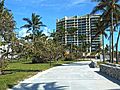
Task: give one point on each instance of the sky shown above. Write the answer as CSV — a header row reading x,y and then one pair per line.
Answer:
x,y
49,10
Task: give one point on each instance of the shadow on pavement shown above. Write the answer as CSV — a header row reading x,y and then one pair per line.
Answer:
x,y
76,64
113,89
36,86
109,78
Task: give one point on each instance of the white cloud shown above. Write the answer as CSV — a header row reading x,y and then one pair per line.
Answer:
x,y
61,4
57,4
46,31
77,2
22,32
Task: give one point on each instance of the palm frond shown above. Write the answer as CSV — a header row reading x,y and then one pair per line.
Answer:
x,y
27,20
109,37
34,24
105,34
97,9
26,26
117,5
29,30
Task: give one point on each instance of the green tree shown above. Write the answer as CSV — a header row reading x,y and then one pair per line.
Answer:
x,y
82,38
33,25
101,27
7,26
61,34
110,14
71,31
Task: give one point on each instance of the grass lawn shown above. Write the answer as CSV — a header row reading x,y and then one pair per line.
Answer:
x,y
18,71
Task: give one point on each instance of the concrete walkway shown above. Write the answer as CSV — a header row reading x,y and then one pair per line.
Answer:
x,y
76,76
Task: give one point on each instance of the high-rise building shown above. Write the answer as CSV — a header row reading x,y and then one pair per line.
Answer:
x,y
86,30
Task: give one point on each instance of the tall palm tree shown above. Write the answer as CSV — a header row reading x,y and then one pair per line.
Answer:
x,y
101,26
34,24
71,32
57,36
61,33
110,14
82,38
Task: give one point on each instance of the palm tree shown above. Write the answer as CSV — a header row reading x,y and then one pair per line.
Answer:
x,y
71,32
57,36
110,14
82,38
61,33
101,26
39,34
34,24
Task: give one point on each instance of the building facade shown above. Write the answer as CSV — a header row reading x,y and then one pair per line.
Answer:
x,y
86,30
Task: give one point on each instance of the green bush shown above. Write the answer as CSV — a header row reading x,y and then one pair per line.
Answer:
x,y
70,57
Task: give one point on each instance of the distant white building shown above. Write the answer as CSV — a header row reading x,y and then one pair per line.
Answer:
x,y
85,25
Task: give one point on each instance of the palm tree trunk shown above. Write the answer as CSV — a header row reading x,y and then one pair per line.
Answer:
x,y
110,48
71,47
103,51
34,40
116,53
117,47
112,36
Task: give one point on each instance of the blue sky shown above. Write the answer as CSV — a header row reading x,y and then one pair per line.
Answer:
x,y
49,10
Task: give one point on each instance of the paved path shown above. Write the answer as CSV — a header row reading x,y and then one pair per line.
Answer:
x,y
76,76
